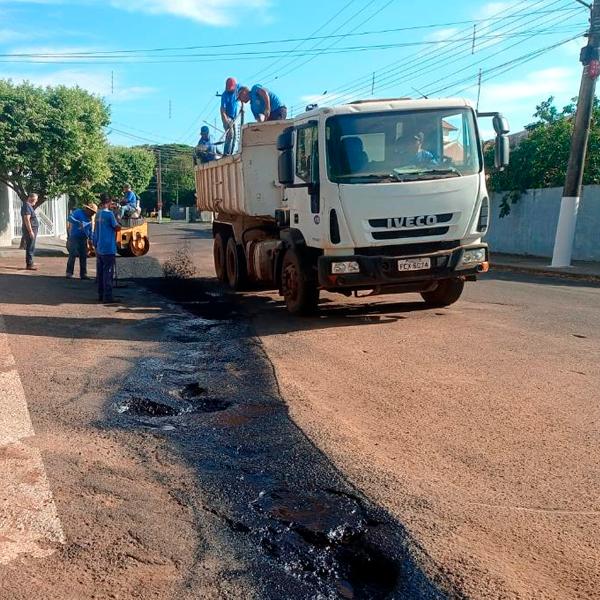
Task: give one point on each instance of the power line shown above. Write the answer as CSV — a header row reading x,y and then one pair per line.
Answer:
x,y
264,42
337,14
433,59
394,67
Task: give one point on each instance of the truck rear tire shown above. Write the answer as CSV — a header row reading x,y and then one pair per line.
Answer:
x,y
447,292
299,292
220,257
237,272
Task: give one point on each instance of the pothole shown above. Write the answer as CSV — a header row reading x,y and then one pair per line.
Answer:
x,y
144,407
192,390
322,537
209,405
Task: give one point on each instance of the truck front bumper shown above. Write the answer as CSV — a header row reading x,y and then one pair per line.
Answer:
x,y
375,272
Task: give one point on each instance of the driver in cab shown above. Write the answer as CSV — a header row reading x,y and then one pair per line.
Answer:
x,y
411,152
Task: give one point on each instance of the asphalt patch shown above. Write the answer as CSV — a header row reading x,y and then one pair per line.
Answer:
x,y
301,532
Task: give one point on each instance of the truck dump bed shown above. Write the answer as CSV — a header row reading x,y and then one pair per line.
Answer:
x,y
245,184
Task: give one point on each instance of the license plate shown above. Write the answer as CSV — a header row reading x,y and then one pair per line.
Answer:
x,y
414,264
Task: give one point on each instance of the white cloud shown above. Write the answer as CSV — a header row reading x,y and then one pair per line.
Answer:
x,y
96,82
211,12
538,84
9,35
443,34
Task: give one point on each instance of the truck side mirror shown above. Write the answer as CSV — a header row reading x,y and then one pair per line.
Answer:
x,y
502,152
500,123
285,167
286,140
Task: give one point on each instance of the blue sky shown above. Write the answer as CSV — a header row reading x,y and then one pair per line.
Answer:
x,y
427,47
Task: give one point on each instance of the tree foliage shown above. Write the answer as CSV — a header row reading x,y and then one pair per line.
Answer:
x,y
52,140
540,159
134,166
177,177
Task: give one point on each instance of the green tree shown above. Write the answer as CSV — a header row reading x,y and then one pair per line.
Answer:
x,y
179,179
52,140
540,159
134,166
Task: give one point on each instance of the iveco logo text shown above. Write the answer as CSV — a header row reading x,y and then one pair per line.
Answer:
x,y
407,222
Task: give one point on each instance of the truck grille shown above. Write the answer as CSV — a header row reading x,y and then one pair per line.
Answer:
x,y
409,233
407,249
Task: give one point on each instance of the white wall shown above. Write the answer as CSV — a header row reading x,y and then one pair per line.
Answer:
x,y
530,227
6,228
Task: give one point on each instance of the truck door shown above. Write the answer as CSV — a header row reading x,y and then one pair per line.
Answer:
x,y
305,202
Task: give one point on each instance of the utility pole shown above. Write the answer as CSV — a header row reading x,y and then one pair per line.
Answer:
x,y
159,187
478,89
567,220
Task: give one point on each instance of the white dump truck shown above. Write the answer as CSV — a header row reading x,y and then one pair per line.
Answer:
x,y
371,197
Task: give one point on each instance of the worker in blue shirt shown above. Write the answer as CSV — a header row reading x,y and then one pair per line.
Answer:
x,y
265,105
105,243
229,113
128,202
80,231
206,150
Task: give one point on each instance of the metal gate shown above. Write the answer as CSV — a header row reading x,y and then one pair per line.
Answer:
x,y
51,215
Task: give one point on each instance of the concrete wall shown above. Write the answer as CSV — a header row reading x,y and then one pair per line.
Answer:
x,y
6,234
531,226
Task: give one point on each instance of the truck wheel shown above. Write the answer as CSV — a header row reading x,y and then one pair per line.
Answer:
x,y
219,254
447,292
237,273
300,294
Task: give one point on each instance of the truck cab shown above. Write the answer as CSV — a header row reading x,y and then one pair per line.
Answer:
x,y
392,194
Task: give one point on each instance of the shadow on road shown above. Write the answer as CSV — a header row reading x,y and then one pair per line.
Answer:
x,y
538,279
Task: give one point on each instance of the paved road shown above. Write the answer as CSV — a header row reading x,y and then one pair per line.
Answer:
x,y
463,442
477,426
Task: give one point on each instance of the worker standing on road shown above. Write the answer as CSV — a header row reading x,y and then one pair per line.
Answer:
x,y
229,112
265,105
30,230
105,243
80,231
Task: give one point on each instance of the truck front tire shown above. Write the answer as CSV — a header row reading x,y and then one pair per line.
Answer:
x,y
237,272
220,258
447,292
299,292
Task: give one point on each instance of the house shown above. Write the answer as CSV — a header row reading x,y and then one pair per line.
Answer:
x,y
52,216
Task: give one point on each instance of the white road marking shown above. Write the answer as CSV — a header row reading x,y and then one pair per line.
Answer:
x,y
29,523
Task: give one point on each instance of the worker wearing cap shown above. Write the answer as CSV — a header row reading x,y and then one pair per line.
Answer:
x,y
265,105
80,231
229,113
206,151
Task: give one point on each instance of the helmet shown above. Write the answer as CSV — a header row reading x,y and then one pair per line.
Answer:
x,y
230,84
204,129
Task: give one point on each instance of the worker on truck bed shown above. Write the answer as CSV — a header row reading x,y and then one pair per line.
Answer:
x,y
265,105
229,112
206,150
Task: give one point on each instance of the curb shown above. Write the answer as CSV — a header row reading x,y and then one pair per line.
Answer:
x,y
578,276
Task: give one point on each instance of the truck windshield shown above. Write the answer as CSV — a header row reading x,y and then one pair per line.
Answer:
x,y
402,146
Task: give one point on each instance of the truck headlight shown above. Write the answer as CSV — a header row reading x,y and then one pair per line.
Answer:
x,y
471,257
342,268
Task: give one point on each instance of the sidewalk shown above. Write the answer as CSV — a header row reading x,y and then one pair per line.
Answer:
x,y
589,271
45,247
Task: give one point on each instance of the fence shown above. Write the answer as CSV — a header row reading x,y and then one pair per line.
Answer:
x,y
52,216
530,227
